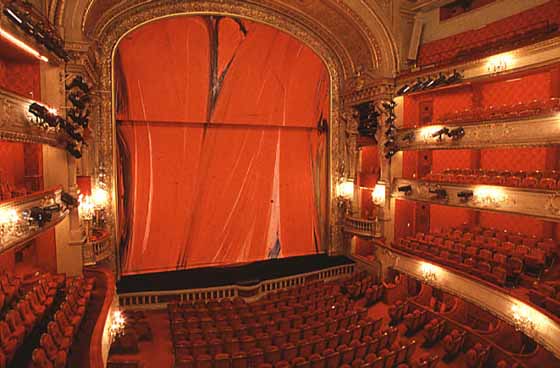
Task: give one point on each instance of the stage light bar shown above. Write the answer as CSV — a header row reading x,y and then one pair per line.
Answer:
x,y
22,45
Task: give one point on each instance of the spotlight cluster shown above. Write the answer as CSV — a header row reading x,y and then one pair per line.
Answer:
x,y
453,133
431,82
24,16
391,145
79,97
367,119
47,118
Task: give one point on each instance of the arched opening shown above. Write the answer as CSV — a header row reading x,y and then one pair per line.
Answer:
x,y
222,144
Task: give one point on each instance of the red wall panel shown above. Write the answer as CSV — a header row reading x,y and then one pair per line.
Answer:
x,y
514,159
451,159
444,217
404,218
21,78
513,223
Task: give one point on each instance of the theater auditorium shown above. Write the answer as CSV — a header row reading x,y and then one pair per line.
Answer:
x,y
279,183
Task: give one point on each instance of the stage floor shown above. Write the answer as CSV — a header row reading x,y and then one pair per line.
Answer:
x,y
233,275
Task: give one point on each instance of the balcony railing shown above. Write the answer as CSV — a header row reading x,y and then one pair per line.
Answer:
x,y
361,227
97,249
23,218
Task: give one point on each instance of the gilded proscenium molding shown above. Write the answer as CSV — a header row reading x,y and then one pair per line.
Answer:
x,y
492,299
25,232
539,54
544,204
358,32
16,123
515,133
134,17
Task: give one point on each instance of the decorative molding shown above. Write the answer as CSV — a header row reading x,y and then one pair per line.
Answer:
x,y
517,133
546,330
544,204
16,123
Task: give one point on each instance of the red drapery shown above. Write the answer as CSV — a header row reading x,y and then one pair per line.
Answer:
x,y
221,161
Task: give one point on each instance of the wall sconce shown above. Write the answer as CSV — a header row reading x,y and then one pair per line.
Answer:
x,y
429,272
100,198
8,221
499,63
489,196
378,194
523,318
118,323
344,195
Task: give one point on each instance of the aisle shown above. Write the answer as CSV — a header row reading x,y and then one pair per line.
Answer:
x,y
157,353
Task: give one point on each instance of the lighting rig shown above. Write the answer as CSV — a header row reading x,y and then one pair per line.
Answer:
x,y
430,82
391,145
32,22
367,119
47,118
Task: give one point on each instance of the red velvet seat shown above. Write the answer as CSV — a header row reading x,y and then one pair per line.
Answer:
x,y
8,342
64,343
17,328
272,354
39,359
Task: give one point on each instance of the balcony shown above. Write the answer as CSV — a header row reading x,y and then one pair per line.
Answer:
x,y
97,248
540,203
24,218
362,227
538,131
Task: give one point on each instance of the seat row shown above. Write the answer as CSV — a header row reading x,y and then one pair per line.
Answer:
x,y
379,350
517,110
457,258
546,294
356,287
9,289
28,311
520,179
289,318
56,342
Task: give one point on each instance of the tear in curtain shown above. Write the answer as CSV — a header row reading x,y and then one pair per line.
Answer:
x,y
220,159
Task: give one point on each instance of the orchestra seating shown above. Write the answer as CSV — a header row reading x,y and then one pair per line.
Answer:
x,y
548,180
314,325
51,308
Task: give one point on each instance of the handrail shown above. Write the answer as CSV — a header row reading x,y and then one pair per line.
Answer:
x,y
100,331
360,226
159,299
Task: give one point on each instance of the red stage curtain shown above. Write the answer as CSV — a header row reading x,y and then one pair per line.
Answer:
x,y
220,158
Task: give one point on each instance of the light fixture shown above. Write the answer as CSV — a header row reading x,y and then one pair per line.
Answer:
x,y
428,272
403,90
100,197
406,189
499,63
488,196
378,194
465,195
8,221
523,318
68,199
439,192
344,195
118,323
456,133
22,45
86,208
408,137
427,132
440,133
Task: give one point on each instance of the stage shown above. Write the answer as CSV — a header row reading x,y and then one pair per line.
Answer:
x,y
247,274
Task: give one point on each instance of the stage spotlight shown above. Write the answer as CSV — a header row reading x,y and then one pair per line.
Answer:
x,y
406,189
408,137
52,208
428,83
389,105
78,101
417,85
455,77
465,195
456,133
440,80
73,133
403,90
81,118
391,152
439,134
39,215
389,142
390,131
68,199
73,150
439,192
78,82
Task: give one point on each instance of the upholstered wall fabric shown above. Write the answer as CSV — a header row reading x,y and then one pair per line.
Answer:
x,y
220,158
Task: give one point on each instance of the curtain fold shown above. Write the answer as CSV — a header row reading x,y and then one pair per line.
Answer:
x,y
219,152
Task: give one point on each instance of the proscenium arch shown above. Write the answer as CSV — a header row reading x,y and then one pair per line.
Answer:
x,y
332,101
127,21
